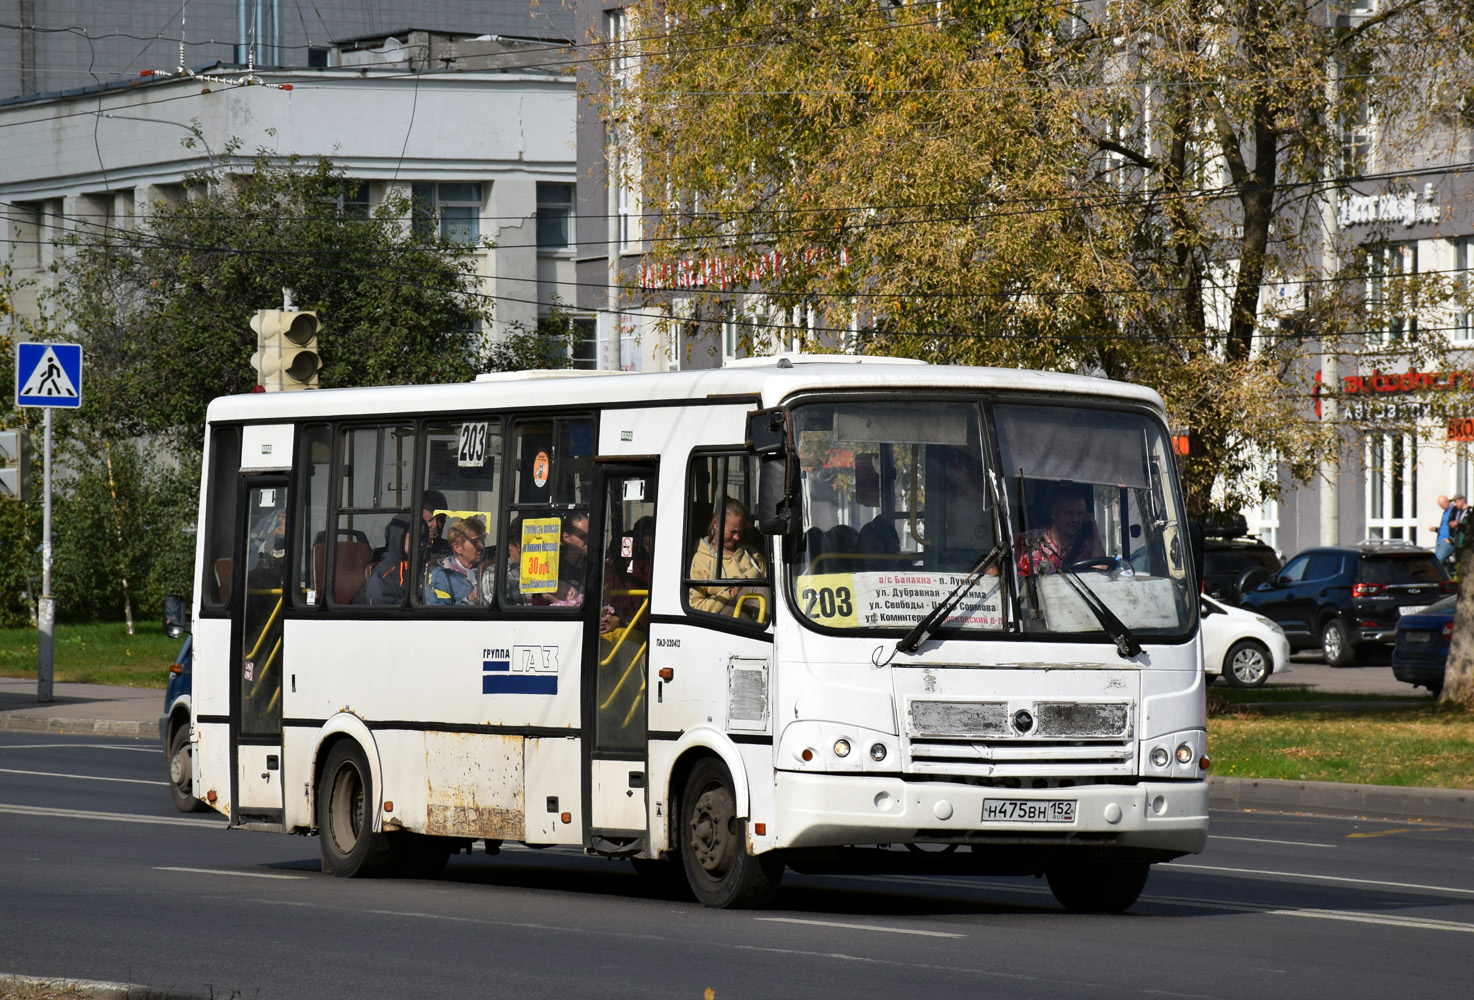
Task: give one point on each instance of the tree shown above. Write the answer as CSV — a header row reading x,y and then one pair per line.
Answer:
x,y
1105,188
548,346
163,310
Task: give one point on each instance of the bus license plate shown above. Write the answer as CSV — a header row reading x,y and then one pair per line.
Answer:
x,y
1029,810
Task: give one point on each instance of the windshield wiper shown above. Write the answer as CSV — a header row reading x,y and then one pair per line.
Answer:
x,y
928,625
1126,644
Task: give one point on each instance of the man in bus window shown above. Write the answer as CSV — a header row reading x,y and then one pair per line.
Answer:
x,y
737,561
453,579
1070,537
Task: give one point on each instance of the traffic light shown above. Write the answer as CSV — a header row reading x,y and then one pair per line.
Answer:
x,y
13,458
286,349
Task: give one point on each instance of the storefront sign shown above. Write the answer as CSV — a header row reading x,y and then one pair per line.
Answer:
x,y
727,272
1406,208
1408,381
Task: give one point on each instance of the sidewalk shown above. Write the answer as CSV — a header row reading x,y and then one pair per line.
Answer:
x,y
120,711
80,708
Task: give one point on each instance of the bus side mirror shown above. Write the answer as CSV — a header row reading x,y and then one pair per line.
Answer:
x,y
176,616
776,476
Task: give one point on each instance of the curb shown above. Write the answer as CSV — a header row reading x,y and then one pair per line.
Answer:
x,y
1451,806
88,988
96,727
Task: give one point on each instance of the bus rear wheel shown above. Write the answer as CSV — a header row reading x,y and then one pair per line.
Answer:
x,y
713,841
345,816
1097,887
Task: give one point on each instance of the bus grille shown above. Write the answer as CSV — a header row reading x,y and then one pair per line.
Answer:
x,y
1001,739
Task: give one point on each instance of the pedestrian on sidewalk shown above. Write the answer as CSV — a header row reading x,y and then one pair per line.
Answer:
x,y
1443,545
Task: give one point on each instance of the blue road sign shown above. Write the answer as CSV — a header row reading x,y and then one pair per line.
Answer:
x,y
48,374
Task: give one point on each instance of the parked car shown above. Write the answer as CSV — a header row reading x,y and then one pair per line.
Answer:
x,y
1338,598
1234,565
174,730
1240,646
1422,645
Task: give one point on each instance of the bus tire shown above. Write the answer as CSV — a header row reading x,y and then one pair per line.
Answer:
x,y
345,816
1097,887
181,768
713,841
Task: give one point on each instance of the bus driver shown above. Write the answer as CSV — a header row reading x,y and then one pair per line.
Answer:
x,y
739,561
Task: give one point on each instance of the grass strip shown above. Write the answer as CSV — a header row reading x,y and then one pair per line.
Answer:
x,y
94,653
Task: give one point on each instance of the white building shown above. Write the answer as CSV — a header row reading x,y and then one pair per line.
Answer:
x,y
487,146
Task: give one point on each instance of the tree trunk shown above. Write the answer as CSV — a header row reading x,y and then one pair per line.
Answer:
x,y
118,527
1458,670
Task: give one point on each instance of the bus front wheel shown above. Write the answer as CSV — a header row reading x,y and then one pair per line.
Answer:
x,y
345,816
714,844
1100,887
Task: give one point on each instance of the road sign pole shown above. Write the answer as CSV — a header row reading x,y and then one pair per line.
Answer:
x,y
46,607
47,375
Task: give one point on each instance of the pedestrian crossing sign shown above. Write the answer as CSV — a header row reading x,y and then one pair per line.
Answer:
x,y
48,374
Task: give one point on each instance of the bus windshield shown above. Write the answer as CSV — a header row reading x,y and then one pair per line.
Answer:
x,y
1020,519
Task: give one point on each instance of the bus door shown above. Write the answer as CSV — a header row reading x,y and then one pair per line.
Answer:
x,y
256,658
616,651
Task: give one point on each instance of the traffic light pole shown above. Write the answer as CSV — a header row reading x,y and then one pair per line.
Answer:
x,y
46,607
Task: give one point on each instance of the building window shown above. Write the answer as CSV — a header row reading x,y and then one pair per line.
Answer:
x,y
554,216
1392,485
1385,264
586,344
1357,136
1463,307
452,209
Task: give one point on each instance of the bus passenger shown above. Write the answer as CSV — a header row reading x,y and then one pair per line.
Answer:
x,y
1070,537
738,561
453,579
388,579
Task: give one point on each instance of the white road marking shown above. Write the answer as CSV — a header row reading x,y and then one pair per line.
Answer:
x,y
78,746
223,871
1261,840
1327,878
214,824
84,777
857,927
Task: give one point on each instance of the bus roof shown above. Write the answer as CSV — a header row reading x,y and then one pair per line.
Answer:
x,y
767,381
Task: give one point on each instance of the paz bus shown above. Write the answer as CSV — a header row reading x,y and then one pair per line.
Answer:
x,y
820,613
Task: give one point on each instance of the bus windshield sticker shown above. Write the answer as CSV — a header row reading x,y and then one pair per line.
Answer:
x,y
541,469
540,539
894,600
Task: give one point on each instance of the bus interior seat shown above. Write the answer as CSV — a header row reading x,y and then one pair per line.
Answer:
x,y
353,560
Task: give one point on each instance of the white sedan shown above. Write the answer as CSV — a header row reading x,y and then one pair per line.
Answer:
x,y
1242,646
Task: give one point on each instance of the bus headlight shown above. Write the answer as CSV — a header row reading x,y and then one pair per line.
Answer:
x,y
841,748
1159,757
1184,754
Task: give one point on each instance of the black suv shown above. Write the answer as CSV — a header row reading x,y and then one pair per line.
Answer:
x,y
1233,564
1338,598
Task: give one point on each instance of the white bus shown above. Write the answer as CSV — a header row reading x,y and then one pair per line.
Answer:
x,y
828,613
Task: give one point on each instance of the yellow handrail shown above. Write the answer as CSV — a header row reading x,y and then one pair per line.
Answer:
x,y
635,662
762,606
624,632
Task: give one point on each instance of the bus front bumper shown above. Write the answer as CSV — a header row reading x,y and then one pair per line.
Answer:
x,y
825,810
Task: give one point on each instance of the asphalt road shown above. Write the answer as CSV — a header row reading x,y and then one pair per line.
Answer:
x,y
103,880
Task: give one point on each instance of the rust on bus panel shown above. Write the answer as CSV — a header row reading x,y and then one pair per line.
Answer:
x,y
474,786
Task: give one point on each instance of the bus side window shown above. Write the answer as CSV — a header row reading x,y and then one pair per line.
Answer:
x,y
462,483
313,488
374,472
546,549
728,571
225,470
